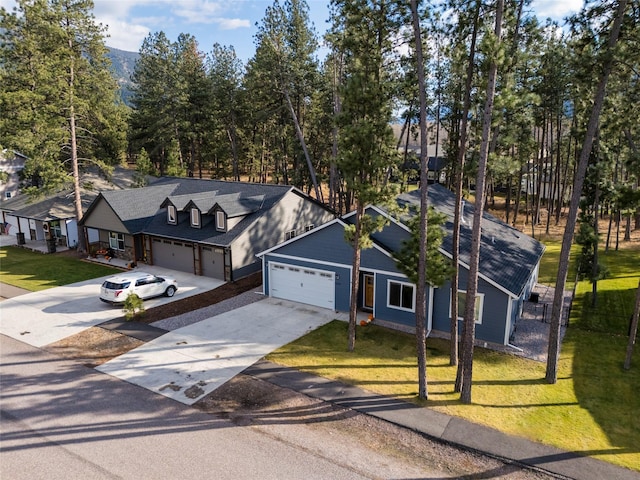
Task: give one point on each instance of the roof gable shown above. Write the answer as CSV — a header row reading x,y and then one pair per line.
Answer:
x,y
203,201
327,244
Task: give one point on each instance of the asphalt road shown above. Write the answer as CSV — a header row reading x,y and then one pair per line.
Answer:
x,y
61,420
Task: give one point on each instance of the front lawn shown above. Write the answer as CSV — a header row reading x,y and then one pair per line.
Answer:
x,y
592,409
35,271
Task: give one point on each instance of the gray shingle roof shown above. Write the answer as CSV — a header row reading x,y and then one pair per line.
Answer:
x,y
234,206
507,256
141,212
61,205
136,207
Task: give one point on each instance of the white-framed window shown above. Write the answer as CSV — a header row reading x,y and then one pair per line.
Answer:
x,y
401,295
462,301
195,217
172,216
289,235
309,227
7,194
221,221
116,241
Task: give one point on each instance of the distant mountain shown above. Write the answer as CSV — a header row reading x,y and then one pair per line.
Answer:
x,y
123,64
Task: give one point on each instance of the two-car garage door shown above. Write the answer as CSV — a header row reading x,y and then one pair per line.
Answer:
x,y
301,284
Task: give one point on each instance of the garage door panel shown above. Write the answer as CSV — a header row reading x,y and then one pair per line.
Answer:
x,y
213,262
173,255
304,285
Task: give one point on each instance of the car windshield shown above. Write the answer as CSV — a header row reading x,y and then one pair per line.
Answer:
x,y
116,286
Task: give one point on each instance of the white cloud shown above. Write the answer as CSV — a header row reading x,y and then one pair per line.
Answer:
x,y
233,23
198,11
131,21
555,9
208,12
124,35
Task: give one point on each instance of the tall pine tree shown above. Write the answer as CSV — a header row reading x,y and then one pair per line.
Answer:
x,y
58,97
362,34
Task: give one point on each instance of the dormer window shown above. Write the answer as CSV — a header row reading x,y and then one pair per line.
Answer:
x,y
172,217
289,235
195,217
221,221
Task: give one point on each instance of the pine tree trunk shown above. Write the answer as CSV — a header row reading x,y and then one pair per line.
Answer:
x,y
553,354
454,354
421,304
633,331
472,283
312,171
82,242
355,278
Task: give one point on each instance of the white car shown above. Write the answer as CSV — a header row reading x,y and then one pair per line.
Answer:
x,y
116,289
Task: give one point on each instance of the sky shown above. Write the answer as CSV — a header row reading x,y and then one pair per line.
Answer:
x,y
227,22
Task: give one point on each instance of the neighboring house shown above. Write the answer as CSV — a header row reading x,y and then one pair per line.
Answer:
x,y
44,218
436,169
546,182
207,227
11,164
54,216
316,269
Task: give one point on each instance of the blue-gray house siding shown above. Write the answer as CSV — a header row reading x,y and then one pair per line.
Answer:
x,y
326,249
508,268
495,307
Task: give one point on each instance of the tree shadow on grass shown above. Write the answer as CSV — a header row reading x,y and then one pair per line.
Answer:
x,y
604,389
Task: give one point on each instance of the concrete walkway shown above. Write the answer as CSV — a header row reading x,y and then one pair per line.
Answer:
x,y
193,361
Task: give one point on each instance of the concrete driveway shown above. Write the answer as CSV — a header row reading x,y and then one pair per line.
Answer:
x,y
44,317
190,362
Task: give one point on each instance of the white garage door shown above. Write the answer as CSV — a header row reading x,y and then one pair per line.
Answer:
x,y
304,285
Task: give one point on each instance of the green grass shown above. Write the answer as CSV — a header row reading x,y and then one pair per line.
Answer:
x,y
592,409
615,295
549,265
35,271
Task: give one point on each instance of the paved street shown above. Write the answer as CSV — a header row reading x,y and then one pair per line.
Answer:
x,y
61,420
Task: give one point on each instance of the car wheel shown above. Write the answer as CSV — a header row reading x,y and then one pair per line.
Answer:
x,y
170,291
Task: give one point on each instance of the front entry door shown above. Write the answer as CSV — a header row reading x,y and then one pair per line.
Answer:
x,y
367,300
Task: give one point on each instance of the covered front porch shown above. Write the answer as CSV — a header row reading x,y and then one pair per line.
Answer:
x,y
41,246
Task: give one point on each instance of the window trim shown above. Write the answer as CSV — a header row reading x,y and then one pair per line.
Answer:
x,y
289,234
172,215
309,227
403,285
221,221
195,217
479,307
115,239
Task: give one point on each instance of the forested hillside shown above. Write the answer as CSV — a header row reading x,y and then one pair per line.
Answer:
x,y
123,64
